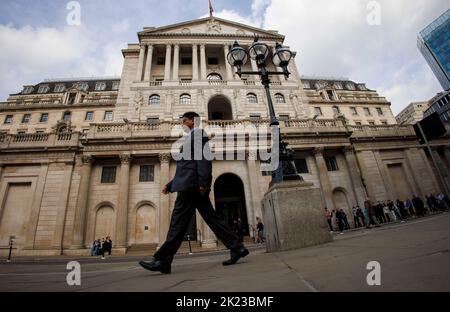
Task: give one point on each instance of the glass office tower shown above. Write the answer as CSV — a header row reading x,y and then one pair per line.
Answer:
x,y
434,44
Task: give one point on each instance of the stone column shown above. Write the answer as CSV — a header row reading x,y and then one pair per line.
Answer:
x,y
254,68
140,63
1,171
255,191
122,205
176,61
167,65
164,204
148,65
79,223
202,62
355,175
228,66
323,177
194,62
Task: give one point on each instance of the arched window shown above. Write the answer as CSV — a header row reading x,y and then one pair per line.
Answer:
x,y
214,76
154,100
252,98
279,98
185,99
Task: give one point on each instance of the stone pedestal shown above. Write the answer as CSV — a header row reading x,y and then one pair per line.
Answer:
x,y
293,216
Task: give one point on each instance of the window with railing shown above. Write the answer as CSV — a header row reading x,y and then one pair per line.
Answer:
x,y
89,116
146,173
331,163
108,116
108,174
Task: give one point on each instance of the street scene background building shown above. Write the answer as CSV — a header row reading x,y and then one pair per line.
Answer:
x,y
86,158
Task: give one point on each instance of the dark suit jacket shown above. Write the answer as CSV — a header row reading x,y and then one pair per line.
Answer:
x,y
196,170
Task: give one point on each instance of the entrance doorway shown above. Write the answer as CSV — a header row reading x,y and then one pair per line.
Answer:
x,y
230,202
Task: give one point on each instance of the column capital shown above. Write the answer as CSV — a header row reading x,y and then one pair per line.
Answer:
x,y
165,157
318,151
202,45
176,45
168,46
348,149
125,158
87,160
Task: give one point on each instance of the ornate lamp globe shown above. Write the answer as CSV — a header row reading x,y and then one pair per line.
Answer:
x,y
259,51
282,56
237,55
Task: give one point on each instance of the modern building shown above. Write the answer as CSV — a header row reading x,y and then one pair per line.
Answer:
x,y
440,104
434,44
412,113
82,159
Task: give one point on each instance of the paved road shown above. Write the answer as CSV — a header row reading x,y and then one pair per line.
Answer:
x,y
414,256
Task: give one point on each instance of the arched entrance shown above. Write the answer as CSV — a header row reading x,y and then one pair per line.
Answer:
x,y
104,222
145,225
219,108
230,202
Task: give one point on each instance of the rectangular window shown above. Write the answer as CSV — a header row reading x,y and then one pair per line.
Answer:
x,y
353,110
384,123
108,175
8,119
331,163
67,116
108,116
153,120
186,60
146,173
59,88
371,123
330,95
284,117
115,85
89,116
301,165
318,111
161,60
213,61
44,117
358,123
255,117
71,98
367,111
26,118
379,111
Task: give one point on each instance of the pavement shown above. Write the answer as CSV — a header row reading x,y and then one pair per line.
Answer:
x,y
413,256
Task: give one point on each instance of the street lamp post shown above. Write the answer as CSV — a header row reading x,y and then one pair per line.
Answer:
x,y
259,52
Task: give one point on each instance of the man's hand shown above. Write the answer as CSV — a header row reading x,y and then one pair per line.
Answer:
x,y
165,190
203,190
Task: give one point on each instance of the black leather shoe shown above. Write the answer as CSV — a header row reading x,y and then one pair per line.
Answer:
x,y
236,255
156,265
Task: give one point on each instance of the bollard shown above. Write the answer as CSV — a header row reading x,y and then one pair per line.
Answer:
x,y
10,250
189,241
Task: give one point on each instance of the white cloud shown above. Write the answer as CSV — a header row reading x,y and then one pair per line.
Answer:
x,y
30,55
334,39
235,17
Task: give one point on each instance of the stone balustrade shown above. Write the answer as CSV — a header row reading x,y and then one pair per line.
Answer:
x,y
39,140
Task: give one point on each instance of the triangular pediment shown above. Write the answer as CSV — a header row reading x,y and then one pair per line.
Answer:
x,y
211,26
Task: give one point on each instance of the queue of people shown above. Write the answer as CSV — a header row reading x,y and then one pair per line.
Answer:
x,y
100,247
380,212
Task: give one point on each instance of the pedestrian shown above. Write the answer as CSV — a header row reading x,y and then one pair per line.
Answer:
x,y
192,182
260,229
329,217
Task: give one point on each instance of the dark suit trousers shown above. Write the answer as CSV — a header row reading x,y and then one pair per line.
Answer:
x,y
183,211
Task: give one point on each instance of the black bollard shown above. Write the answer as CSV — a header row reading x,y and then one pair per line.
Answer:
x,y
189,241
10,250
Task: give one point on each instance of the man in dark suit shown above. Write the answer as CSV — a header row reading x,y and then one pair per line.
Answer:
x,y
192,181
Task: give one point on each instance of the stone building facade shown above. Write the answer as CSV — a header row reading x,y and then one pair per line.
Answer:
x,y
87,158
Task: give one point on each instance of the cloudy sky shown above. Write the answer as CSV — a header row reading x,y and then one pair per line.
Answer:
x,y
332,38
